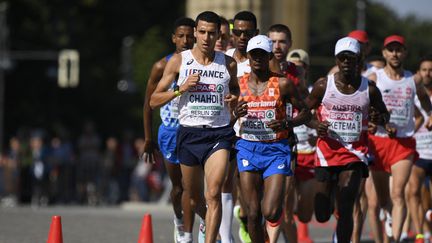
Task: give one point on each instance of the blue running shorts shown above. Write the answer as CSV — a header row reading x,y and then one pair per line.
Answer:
x,y
167,143
268,158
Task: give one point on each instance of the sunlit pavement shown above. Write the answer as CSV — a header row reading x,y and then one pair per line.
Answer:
x,y
121,224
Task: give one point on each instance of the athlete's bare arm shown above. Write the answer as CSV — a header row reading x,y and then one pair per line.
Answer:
x,y
232,98
424,99
419,119
313,101
233,83
161,95
316,95
155,75
289,91
377,104
422,94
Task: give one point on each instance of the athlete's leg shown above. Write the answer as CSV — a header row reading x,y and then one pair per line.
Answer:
x,y
425,200
193,187
272,204
215,169
227,203
324,201
305,207
240,211
381,185
359,215
400,173
407,223
288,227
306,194
179,201
348,189
174,173
415,183
251,184
373,210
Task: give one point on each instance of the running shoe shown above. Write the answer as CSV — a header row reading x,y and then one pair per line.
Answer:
x,y
243,234
201,231
178,232
382,215
334,237
388,225
419,238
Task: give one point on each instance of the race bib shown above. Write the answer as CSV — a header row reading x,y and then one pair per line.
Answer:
x,y
206,100
424,141
254,126
400,114
345,126
302,133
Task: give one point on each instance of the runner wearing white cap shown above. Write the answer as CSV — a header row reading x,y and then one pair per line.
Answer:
x,y
342,101
263,157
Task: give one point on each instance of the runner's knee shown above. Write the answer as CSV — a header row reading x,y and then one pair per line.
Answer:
x,y
213,195
397,196
322,207
304,217
271,213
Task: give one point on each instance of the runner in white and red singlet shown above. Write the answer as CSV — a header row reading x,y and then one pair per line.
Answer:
x,y
395,156
342,101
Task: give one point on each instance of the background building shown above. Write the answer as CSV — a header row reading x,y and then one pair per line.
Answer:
x,y
293,13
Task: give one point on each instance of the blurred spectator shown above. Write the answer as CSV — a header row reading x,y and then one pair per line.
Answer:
x,y
42,174
108,184
40,170
9,174
129,159
89,144
139,188
61,160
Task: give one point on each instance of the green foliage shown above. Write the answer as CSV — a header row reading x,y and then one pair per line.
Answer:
x,y
148,49
333,19
96,29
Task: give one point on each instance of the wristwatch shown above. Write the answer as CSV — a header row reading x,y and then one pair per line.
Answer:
x,y
177,91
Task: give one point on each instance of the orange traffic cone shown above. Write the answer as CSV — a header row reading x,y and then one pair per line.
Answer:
x,y
55,234
146,233
303,233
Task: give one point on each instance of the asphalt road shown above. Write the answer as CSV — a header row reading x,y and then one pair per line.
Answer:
x,y
106,224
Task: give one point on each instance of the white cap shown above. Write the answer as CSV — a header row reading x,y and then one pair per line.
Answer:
x,y
260,42
298,55
347,44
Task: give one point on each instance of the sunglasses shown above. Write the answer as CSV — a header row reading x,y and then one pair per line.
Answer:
x,y
247,33
348,56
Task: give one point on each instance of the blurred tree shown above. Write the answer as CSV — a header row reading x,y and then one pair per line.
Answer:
x,y
96,29
333,19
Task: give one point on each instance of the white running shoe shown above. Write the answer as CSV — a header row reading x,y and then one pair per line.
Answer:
x,y
178,232
382,215
388,225
334,237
